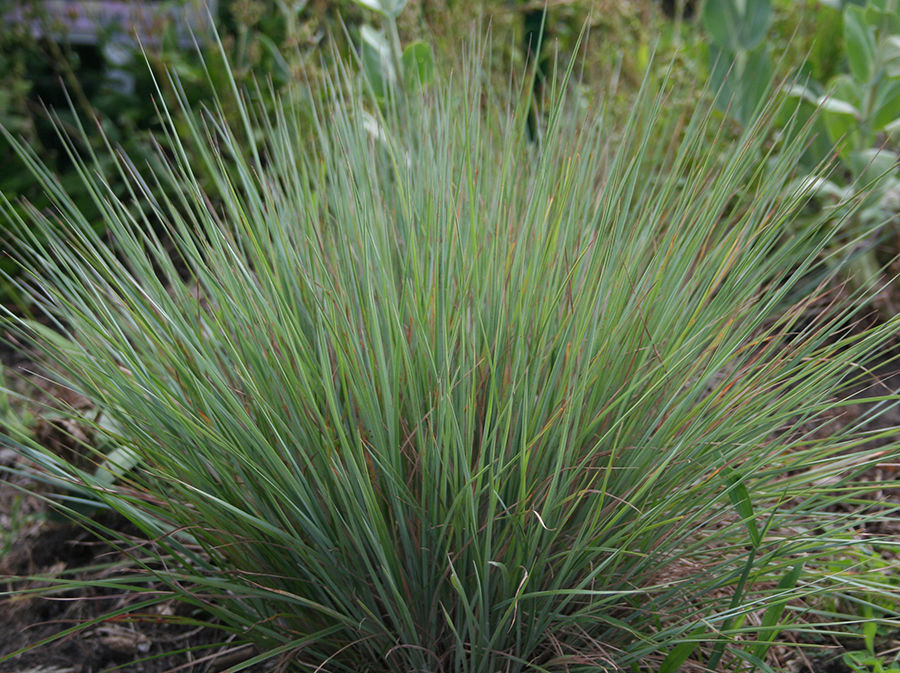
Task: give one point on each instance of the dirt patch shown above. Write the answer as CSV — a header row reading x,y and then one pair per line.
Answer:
x,y
38,546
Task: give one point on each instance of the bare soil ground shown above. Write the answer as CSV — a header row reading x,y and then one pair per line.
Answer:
x,y
35,541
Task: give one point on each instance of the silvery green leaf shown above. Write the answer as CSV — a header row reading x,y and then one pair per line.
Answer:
x,y
838,106
827,102
822,187
376,60
886,105
890,55
872,164
418,64
893,130
388,8
800,91
738,25
859,44
117,464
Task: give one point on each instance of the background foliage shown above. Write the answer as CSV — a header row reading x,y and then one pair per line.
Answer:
x,y
277,41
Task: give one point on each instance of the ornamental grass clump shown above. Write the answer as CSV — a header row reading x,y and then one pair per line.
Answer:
x,y
422,395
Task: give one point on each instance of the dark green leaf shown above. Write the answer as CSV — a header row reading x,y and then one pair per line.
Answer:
x,y
376,61
418,64
116,465
742,80
740,498
886,107
757,17
870,628
872,164
680,654
772,615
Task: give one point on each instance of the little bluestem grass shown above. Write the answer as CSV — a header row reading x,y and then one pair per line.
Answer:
x,y
425,396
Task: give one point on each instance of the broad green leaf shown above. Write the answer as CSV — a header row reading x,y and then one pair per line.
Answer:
x,y
793,112
884,19
821,187
117,464
845,88
738,24
757,17
721,62
680,653
859,43
870,628
722,20
742,502
860,661
773,613
841,120
376,60
838,106
742,80
886,107
800,91
841,113
753,82
871,165
893,131
418,64
889,53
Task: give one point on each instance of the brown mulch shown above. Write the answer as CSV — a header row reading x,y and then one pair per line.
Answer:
x,y
36,543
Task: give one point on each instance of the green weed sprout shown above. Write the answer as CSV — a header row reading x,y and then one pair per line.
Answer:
x,y
425,396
